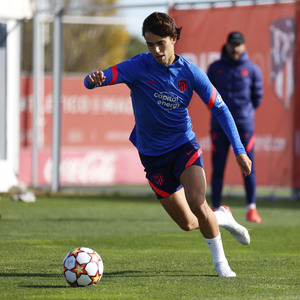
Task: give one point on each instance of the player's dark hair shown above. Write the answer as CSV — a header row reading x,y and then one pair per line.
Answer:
x,y
161,24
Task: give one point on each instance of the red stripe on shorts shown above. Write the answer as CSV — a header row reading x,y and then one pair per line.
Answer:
x,y
114,75
193,158
158,191
212,99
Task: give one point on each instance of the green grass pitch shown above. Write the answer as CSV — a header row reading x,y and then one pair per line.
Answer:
x,y
145,254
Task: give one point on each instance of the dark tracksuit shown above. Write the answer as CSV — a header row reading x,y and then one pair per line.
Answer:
x,y
240,85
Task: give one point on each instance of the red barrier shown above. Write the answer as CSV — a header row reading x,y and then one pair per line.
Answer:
x,y
100,118
270,36
94,135
99,123
86,166
296,107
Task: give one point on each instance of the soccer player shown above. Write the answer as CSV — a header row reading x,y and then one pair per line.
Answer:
x,y
162,85
239,81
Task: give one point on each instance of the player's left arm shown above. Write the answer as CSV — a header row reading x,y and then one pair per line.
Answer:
x,y
223,114
221,111
211,97
245,163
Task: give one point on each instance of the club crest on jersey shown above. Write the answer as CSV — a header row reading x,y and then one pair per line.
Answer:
x,y
159,178
244,72
181,85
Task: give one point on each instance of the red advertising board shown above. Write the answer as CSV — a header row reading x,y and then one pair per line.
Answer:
x,y
95,129
96,125
270,40
100,118
296,105
85,166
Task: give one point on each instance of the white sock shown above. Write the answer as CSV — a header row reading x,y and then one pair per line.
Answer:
x,y
251,206
215,246
221,218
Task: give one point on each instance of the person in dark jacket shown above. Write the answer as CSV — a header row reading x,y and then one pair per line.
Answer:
x,y
239,82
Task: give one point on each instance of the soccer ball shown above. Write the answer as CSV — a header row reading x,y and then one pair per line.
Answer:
x,y
82,267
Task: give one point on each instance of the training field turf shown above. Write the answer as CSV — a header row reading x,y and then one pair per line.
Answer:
x,y
145,254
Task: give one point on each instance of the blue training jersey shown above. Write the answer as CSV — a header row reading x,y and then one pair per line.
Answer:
x,y
160,98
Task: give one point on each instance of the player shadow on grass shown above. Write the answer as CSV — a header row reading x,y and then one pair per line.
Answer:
x,y
45,286
29,275
145,274
12,275
139,274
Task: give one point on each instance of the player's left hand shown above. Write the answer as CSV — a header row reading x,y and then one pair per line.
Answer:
x,y
245,163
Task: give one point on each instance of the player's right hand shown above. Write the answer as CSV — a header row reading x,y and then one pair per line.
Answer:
x,y
97,78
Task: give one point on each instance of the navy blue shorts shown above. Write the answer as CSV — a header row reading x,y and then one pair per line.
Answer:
x,y
163,171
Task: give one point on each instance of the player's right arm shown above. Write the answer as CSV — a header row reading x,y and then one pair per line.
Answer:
x,y
124,72
96,78
101,78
